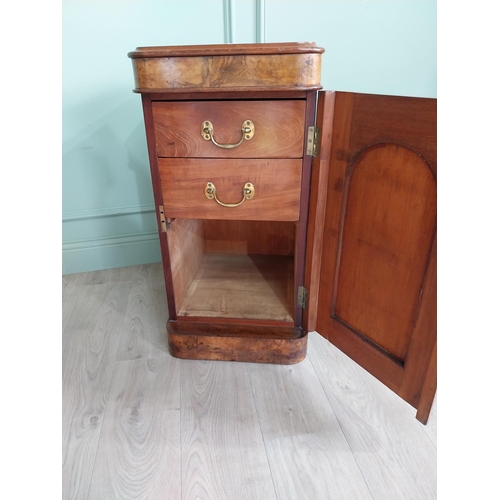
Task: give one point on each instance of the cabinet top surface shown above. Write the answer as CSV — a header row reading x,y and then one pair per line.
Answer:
x,y
229,49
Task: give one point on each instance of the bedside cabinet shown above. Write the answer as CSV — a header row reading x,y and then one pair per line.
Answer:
x,y
283,209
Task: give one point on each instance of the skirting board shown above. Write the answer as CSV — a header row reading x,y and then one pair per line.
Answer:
x,y
108,253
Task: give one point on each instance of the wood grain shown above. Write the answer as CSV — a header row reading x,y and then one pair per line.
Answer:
x,y
277,188
375,423
388,229
191,239
241,286
85,388
279,441
82,314
305,188
300,71
227,49
71,294
158,197
377,279
143,334
229,66
317,206
279,128
92,331
227,94
420,380
251,341
250,237
223,455
403,120
139,448
308,453
431,426
186,239
425,403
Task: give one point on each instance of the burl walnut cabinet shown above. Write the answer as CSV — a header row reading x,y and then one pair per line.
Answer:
x,y
283,209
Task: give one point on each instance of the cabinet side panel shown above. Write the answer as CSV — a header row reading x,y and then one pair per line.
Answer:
x,y
186,243
158,197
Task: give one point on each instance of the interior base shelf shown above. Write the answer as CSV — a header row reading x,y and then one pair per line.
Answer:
x,y
242,286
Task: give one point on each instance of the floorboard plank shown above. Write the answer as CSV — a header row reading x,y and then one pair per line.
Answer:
x,y
138,423
116,275
72,291
88,362
144,334
430,428
139,448
397,459
223,456
307,450
82,413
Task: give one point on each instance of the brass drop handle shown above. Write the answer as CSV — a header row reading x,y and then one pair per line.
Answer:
x,y
211,194
247,131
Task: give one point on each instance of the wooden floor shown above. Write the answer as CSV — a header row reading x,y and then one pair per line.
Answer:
x,y
139,424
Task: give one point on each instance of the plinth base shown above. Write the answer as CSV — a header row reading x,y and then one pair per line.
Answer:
x,y
236,342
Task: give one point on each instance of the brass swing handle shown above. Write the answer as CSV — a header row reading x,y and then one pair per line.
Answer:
x,y
247,131
211,194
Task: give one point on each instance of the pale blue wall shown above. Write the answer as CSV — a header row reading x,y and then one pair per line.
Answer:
x,y
376,46
372,46
108,212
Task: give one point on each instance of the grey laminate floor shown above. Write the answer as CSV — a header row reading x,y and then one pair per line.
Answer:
x,y
139,424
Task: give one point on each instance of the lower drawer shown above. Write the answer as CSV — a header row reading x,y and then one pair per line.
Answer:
x,y
276,185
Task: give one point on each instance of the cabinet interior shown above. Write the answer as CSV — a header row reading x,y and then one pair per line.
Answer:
x,y
233,269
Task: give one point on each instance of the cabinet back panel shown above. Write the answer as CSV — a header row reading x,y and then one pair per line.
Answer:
x,y
250,237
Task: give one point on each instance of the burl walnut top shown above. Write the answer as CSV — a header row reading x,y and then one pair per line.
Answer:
x,y
276,66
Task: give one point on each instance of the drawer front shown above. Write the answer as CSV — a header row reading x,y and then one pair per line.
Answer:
x,y
276,183
278,129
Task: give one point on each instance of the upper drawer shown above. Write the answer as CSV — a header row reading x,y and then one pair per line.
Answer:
x,y
278,129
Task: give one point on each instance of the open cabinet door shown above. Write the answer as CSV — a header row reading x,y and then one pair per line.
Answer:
x,y
371,256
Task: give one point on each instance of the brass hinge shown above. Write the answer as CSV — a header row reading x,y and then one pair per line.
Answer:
x,y
302,300
312,140
163,222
